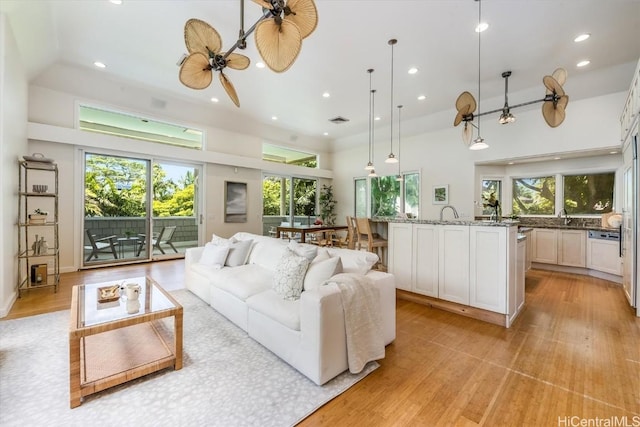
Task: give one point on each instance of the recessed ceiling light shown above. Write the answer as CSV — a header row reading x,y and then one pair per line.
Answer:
x,y
326,95
413,70
582,37
583,63
482,27
422,98
260,64
214,99
377,118
613,152
99,64
326,134
274,118
116,1
510,163
556,158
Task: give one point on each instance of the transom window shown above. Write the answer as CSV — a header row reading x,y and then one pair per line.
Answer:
x,y
274,153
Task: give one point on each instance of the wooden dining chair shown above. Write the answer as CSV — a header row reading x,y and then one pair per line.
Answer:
x,y
351,232
366,238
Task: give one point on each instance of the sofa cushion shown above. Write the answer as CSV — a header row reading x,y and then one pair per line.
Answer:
x,y
243,281
304,249
238,253
288,278
270,304
355,261
214,255
321,271
267,253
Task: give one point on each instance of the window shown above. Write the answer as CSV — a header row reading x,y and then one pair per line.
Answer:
x,y
489,187
385,196
534,196
119,124
412,194
588,194
360,197
279,206
273,153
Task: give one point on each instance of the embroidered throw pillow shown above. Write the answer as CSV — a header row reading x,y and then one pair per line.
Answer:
x,y
214,255
289,275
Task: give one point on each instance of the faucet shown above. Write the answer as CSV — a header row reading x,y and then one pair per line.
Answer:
x,y
567,220
455,212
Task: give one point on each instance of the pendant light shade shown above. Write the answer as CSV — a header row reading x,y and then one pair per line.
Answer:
x,y
391,158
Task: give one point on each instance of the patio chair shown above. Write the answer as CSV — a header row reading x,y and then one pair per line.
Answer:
x,y
103,244
163,237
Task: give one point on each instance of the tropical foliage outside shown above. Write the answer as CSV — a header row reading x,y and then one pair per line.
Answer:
x,y
276,196
117,187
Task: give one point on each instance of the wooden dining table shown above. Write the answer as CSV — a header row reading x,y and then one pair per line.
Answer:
x,y
304,229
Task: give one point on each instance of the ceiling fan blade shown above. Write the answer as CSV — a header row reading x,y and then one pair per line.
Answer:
x,y
201,37
462,112
304,15
264,4
552,86
563,102
560,74
467,134
278,45
195,71
465,99
237,61
553,115
228,87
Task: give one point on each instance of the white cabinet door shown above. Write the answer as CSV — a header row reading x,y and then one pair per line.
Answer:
x,y
453,263
545,246
488,268
529,248
572,246
603,255
521,265
400,254
425,250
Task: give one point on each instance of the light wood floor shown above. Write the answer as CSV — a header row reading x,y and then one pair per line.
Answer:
x,y
573,352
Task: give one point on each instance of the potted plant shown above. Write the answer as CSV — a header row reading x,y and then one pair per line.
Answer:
x,y
327,205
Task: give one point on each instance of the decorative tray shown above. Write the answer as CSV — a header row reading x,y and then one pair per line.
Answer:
x,y
37,157
109,293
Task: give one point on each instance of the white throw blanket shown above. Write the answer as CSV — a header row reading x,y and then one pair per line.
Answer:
x,y
362,318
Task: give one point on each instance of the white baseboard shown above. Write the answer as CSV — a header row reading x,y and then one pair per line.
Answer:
x,y
4,311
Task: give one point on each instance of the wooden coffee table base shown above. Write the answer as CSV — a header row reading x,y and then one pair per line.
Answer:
x,y
108,354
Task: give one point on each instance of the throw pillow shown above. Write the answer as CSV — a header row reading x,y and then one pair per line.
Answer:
x,y
289,275
321,271
217,240
305,250
238,253
214,255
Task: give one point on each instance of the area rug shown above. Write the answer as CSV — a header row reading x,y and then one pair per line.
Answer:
x,y
228,379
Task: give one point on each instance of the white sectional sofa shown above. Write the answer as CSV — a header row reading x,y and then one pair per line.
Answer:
x,y
307,332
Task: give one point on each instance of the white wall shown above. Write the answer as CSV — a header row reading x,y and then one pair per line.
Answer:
x,y
13,143
441,157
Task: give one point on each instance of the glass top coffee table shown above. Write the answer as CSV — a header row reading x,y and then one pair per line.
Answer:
x,y
113,339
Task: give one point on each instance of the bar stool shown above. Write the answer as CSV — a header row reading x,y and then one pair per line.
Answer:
x,y
372,241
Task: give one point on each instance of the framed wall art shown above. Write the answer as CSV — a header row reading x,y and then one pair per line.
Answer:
x,y
441,194
235,201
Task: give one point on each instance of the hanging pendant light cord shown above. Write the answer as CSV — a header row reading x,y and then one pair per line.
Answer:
x,y
479,35
370,71
399,115
392,42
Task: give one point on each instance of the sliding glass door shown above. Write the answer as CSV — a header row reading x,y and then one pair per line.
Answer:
x,y
288,200
137,209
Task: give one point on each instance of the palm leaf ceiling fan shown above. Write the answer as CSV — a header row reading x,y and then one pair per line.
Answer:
x,y
553,108
278,35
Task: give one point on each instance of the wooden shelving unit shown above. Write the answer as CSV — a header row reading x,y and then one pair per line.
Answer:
x,y
38,268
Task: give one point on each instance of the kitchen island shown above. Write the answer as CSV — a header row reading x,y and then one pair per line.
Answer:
x,y
468,267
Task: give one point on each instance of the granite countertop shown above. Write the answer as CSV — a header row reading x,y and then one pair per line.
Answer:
x,y
504,223
568,227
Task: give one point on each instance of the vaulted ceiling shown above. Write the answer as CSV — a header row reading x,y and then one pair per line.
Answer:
x,y
140,41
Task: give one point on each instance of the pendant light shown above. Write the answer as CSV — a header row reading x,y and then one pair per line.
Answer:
x,y
372,172
391,158
399,177
369,166
478,143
